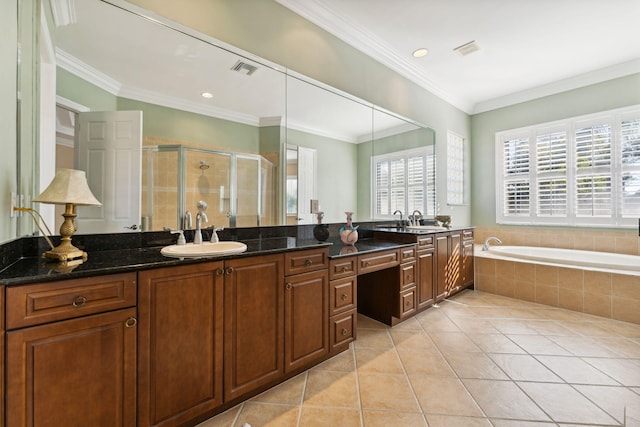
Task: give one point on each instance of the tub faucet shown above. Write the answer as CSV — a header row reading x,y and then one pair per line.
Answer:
x,y
400,223
200,216
486,245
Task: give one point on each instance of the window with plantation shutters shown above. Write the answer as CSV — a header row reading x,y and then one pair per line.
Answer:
x,y
455,169
583,171
404,181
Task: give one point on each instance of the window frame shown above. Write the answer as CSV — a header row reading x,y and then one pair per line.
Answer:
x,y
612,118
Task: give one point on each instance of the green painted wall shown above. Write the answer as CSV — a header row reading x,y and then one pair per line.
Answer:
x,y
8,134
617,93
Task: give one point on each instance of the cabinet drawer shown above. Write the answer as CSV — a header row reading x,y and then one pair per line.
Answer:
x,y
343,329
408,275
343,295
343,267
304,261
407,302
46,302
377,261
425,242
407,254
467,234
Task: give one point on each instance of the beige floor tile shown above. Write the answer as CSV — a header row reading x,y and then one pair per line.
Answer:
x,y
474,365
538,344
625,371
386,392
323,417
288,393
612,399
343,362
575,371
475,326
496,343
584,346
381,361
453,342
520,423
329,388
503,399
591,328
268,414
393,419
408,325
511,326
413,339
365,322
548,327
454,421
622,347
524,367
564,404
224,419
373,338
418,362
444,396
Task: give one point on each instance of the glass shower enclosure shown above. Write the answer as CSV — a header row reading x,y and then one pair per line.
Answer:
x,y
239,189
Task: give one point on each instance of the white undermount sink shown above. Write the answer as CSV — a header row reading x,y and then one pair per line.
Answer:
x,y
426,227
205,249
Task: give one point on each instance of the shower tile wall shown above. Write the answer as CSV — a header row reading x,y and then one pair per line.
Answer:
x,y
211,185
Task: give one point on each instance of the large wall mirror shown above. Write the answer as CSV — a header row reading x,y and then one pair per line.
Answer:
x,y
195,119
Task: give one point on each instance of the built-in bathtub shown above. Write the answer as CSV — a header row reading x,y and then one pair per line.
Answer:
x,y
599,283
571,257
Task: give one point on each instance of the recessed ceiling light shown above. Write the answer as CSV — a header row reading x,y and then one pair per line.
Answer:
x,y
207,95
419,53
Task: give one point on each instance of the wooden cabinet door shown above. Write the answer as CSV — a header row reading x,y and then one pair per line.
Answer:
x,y
253,323
454,280
180,342
467,263
426,274
74,373
306,314
442,259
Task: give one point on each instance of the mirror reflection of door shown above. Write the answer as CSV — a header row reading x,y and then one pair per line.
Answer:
x,y
301,184
108,147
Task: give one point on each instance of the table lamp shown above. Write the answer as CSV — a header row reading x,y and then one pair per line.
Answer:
x,y
70,188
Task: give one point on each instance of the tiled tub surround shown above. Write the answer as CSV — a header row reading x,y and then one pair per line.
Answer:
x,y
611,294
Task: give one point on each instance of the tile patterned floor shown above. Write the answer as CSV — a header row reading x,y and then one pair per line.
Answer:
x,y
477,360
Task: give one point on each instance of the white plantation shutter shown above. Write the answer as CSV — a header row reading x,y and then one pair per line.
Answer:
x,y
551,168
630,171
403,181
582,171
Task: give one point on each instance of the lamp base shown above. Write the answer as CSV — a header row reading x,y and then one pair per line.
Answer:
x,y
65,252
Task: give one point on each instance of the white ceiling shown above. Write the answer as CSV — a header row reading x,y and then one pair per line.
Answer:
x,y
528,48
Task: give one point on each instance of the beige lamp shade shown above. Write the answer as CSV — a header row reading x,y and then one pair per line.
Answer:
x,y
68,186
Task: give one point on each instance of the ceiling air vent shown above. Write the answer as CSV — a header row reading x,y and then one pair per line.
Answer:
x,y
467,48
244,68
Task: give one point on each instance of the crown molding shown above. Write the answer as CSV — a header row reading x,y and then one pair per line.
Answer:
x,y
323,16
86,72
64,12
575,82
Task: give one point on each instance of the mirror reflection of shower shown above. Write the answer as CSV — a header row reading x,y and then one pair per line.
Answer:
x,y
238,187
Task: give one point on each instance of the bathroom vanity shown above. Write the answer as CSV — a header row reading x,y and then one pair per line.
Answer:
x,y
134,338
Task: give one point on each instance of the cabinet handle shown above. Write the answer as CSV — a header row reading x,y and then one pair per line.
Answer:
x,y
131,322
345,297
308,263
219,271
228,271
409,277
79,301
344,269
344,331
408,303
288,286
366,263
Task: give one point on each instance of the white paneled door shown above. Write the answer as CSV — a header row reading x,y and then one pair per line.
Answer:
x,y
108,147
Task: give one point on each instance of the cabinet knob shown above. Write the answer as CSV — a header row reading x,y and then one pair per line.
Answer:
x,y
366,263
408,303
344,269
228,271
410,277
219,271
344,331
288,286
344,297
131,322
308,263
79,301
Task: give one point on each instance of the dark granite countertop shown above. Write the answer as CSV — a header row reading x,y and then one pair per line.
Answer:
x,y
362,246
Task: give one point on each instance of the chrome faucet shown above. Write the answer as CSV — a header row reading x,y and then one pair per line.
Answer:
x,y
187,222
486,245
415,220
400,223
214,233
200,217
